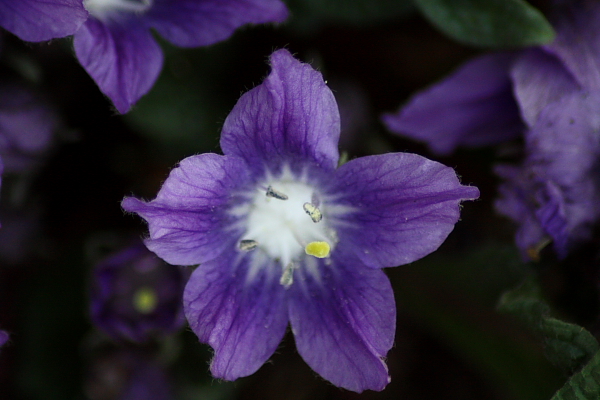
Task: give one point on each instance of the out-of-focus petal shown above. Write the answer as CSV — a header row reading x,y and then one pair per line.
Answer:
x,y
577,26
3,338
237,305
192,23
40,20
472,107
27,123
404,206
122,57
292,116
343,319
188,222
565,140
514,202
539,79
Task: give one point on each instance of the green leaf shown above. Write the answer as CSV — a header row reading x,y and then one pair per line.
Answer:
x,y
453,298
567,345
489,23
584,385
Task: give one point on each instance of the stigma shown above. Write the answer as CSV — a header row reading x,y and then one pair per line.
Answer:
x,y
287,220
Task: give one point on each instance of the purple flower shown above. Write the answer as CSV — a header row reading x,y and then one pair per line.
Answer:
x,y
41,20
282,236
116,47
136,296
554,194
27,124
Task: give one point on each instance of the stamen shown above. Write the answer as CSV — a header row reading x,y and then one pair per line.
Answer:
x,y
248,244
287,278
318,249
275,194
313,211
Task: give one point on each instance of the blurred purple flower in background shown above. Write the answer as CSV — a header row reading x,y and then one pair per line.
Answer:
x,y
41,20
116,47
3,338
127,374
282,236
113,39
137,296
554,194
27,125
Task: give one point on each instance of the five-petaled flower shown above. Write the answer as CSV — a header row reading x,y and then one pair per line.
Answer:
x,y
282,236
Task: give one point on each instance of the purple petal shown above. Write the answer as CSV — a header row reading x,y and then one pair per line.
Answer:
x,y
472,107
187,221
540,79
578,28
238,307
566,137
122,57
344,322
405,206
291,116
552,217
513,202
3,338
564,147
40,20
191,23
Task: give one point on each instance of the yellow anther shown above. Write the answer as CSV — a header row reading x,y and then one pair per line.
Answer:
x,y
318,249
145,300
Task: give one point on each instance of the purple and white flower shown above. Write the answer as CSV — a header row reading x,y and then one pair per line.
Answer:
x,y
41,20
116,47
283,237
137,296
550,93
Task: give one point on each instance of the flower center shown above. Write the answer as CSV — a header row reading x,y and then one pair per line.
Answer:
x,y
101,8
145,300
287,221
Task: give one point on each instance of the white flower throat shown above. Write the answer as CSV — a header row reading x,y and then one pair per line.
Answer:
x,y
287,221
100,8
